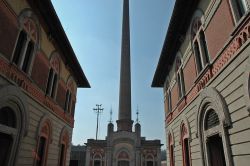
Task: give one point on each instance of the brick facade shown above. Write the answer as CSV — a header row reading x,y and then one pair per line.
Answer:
x,y
8,31
189,73
42,131
217,93
219,28
40,71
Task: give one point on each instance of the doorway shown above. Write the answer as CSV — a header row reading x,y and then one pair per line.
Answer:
x,y
216,151
97,163
123,163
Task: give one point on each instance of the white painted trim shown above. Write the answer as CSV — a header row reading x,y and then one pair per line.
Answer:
x,y
13,97
210,98
246,85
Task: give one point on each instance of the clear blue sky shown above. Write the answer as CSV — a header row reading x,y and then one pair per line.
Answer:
x,y
94,29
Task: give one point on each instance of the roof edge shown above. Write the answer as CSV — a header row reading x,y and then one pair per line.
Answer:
x,y
47,13
179,23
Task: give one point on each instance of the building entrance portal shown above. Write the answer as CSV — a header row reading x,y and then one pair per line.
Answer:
x,y
123,163
97,163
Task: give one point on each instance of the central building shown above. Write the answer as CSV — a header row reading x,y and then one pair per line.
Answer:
x,y
124,147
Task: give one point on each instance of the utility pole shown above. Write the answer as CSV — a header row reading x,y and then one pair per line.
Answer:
x,y
98,111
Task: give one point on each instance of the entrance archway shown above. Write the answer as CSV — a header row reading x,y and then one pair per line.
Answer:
x,y
123,163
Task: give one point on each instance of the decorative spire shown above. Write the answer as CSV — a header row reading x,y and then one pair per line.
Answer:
x,y
111,113
137,115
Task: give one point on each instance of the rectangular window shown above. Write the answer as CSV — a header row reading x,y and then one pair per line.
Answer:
x,y
197,57
216,150
41,151
27,57
49,82
69,103
169,101
22,38
97,163
73,109
241,7
150,163
62,155
186,152
204,49
53,90
66,101
179,85
5,150
183,89
171,155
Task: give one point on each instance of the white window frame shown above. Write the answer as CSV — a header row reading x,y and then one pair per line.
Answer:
x,y
210,99
68,102
26,14
169,98
97,159
152,159
235,10
203,52
12,132
180,83
53,83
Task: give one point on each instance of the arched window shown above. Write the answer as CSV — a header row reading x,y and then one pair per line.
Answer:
x,y
27,42
185,145
213,118
171,149
44,139
123,159
63,145
199,45
53,76
214,144
97,160
8,133
150,160
14,122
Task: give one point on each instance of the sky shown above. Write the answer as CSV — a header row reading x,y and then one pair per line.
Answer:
x,y
94,29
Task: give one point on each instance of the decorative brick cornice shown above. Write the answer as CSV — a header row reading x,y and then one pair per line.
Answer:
x,y
210,71
205,77
11,72
181,104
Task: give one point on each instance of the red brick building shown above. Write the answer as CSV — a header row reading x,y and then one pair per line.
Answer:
x,y
204,72
39,77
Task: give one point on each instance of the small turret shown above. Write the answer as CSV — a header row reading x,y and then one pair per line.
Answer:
x,y
138,127
110,125
110,129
